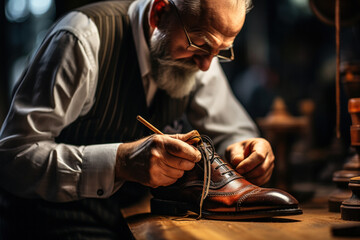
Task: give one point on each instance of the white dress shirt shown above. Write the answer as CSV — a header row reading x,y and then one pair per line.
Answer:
x,y
33,165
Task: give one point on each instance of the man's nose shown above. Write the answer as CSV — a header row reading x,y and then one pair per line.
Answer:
x,y
203,61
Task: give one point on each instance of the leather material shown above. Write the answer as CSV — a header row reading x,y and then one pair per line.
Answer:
x,y
230,195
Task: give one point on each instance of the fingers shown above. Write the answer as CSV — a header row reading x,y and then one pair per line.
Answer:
x,y
249,163
182,150
169,158
175,146
166,168
175,153
253,159
260,174
260,180
155,161
235,154
187,137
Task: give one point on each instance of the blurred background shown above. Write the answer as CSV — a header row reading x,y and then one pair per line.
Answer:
x,y
285,64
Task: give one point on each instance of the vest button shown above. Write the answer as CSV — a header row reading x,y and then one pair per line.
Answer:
x,y
100,192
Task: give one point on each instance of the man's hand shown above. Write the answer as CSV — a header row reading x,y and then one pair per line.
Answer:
x,y
252,158
158,160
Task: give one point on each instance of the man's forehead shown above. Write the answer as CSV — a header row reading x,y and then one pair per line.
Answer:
x,y
225,16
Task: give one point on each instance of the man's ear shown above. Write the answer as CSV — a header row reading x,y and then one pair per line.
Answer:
x,y
158,8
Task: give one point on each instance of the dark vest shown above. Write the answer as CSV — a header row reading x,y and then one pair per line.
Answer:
x,y
120,94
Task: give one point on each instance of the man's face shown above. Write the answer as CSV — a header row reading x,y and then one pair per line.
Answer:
x,y
175,76
216,27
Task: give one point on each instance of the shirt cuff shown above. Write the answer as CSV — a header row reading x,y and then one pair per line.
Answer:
x,y
98,171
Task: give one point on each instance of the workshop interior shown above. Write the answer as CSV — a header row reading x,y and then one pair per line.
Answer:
x,y
296,72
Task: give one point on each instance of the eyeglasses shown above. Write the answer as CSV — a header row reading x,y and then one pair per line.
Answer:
x,y
224,55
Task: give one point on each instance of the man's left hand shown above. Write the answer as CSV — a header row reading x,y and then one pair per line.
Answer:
x,y
253,159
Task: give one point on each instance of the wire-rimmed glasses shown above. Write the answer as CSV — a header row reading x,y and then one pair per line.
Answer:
x,y
224,55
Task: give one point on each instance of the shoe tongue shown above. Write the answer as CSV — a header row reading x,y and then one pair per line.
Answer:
x,y
210,152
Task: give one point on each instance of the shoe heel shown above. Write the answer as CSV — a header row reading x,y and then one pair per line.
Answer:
x,y
167,207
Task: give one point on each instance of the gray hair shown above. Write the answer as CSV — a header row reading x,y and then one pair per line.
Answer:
x,y
192,7
248,5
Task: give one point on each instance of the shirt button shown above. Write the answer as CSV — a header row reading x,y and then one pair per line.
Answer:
x,y
100,192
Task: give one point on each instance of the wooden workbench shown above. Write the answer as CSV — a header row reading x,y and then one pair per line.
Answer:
x,y
316,222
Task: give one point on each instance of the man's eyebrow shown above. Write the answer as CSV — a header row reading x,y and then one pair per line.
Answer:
x,y
212,45
199,34
208,42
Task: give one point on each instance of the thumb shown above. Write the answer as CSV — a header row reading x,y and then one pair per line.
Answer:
x,y
191,137
235,153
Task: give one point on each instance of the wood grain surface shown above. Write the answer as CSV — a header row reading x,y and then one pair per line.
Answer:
x,y
315,223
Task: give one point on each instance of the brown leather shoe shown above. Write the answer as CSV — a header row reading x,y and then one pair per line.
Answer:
x,y
229,195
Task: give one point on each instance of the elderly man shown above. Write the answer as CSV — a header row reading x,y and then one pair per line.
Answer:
x,y
71,139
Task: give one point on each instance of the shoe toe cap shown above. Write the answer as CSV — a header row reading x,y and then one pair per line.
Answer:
x,y
268,198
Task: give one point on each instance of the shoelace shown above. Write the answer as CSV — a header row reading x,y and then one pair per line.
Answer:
x,y
207,150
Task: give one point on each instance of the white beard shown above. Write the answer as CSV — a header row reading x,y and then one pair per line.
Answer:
x,y
176,77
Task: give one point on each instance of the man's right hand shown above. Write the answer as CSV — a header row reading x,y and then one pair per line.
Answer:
x,y
158,160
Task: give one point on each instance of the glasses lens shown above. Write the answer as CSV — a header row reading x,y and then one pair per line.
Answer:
x,y
224,55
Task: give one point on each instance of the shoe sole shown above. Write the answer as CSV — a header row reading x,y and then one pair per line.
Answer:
x,y
173,208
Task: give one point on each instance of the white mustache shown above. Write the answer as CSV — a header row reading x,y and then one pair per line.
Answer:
x,y
181,64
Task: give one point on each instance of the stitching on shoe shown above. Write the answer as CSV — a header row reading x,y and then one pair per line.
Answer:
x,y
213,185
216,194
245,196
